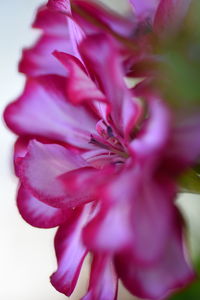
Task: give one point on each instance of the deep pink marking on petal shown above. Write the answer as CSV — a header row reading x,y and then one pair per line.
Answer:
x,y
37,213
60,5
103,279
70,251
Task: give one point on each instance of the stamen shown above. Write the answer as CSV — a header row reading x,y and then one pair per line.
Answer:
x,y
98,143
109,131
107,140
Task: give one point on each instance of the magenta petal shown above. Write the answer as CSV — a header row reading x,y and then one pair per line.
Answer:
x,y
152,211
184,145
145,8
50,22
169,15
155,133
42,165
75,31
86,89
38,60
103,279
136,210
107,67
85,182
107,18
43,110
61,12
38,214
60,5
20,150
110,230
157,281
70,252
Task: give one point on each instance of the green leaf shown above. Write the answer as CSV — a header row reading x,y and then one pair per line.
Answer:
x,y
190,182
192,292
178,72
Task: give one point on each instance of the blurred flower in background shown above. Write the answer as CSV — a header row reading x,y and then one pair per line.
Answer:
x,y
104,160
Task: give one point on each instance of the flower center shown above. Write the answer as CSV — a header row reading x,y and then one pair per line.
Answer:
x,y
107,140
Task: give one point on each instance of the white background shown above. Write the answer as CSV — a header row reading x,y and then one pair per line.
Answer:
x,y
26,253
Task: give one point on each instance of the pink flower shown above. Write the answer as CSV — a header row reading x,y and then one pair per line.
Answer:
x,y
99,162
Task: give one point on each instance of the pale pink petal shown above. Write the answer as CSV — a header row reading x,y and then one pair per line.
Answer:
x,y
107,68
37,213
70,252
103,279
43,111
172,271
86,89
41,167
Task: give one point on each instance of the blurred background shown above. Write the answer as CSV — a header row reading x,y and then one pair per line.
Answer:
x,y
26,253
